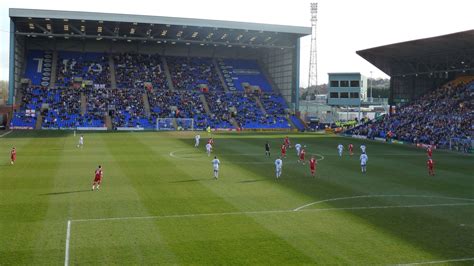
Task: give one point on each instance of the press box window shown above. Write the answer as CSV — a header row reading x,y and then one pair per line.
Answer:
x,y
344,83
344,95
354,95
354,83
334,83
334,95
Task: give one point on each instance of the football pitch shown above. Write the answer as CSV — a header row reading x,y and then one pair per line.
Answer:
x,y
159,203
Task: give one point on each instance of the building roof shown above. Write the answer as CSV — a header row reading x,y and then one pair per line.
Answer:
x,y
451,52
137,27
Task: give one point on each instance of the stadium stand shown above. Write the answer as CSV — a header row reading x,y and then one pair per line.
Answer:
x,y
437,118
42,60
63,108
189,73
239,74
139,74
97,102
219,106
134,70
87,66
129,109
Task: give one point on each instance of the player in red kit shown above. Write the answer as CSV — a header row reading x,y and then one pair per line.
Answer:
x,y
351,149
13,155
287,142
312,165
430,164
97,178
429,151
283,150
302,154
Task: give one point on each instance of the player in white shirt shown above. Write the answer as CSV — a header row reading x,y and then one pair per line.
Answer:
x,y
298,149
362,148
363,162
81,141
208,149
197,138
340,148
278,166
215,165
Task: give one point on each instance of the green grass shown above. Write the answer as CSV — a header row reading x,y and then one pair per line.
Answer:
x,y
248,214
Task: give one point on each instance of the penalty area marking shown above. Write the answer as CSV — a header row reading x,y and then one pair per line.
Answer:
x,y
268,212
69,222
378,196
6,133
173,154
436,262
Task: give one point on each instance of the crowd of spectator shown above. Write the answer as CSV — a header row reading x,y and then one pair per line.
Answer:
x,y
63,108
85,66
188,73
134,70
74,104
244,109
129,110
443,117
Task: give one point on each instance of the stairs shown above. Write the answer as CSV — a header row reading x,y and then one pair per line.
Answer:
x,y
221,77
233,122
113,80
298,124
39,120
54,69
83,103
259,104
146,104
288,118
204,103
108,122
175,125
167,73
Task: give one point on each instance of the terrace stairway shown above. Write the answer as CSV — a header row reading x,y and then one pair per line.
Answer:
x,y
108,122
219,73
113,80
205,105
175,124
260,105
83,103
39,120
146,104
288,118
54,68
167,73
234,123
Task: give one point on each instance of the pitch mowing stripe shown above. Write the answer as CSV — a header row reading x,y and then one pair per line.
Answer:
x,y
379,196
436,262
266,212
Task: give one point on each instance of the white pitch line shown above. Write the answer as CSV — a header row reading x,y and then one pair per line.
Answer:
x,y
266,212
6,133
68,236
378,196
436,262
